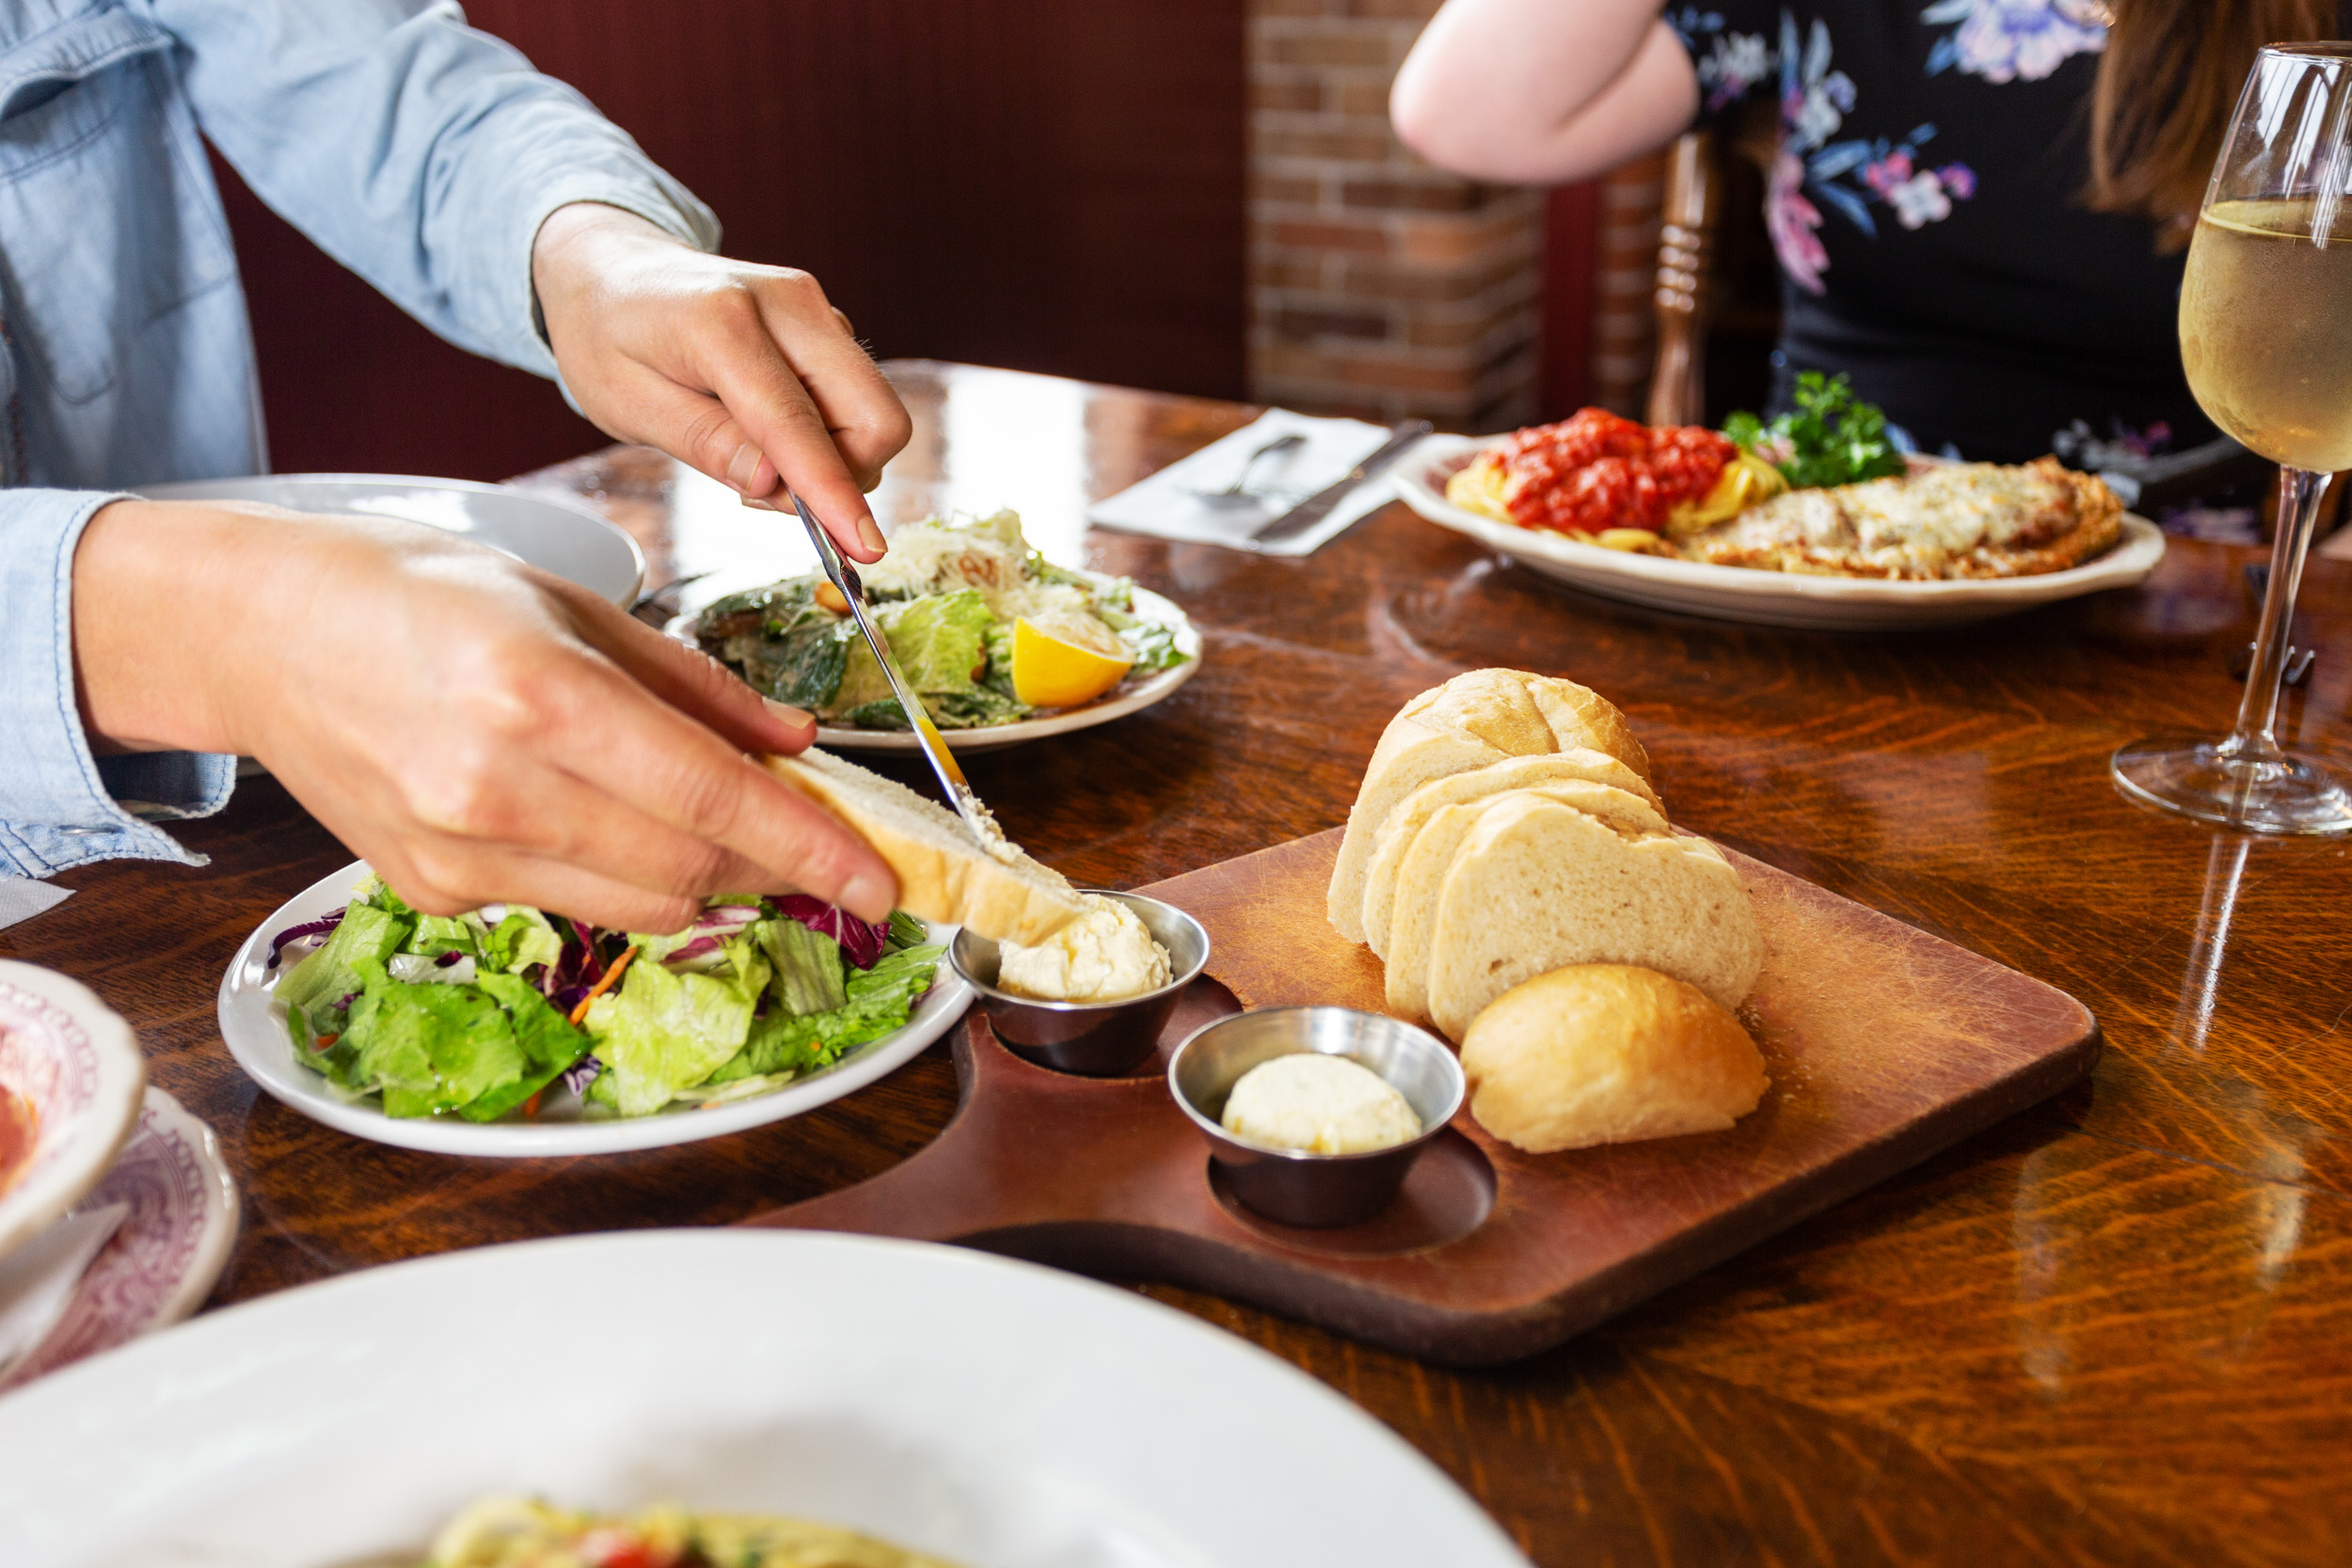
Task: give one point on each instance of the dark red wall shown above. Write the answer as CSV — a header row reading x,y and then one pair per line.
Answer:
x,y
1051,185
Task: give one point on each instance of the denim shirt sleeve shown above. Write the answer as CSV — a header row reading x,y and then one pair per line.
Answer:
x,y
59,805
418,153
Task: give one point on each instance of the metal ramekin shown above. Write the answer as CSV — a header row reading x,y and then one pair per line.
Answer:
x,y
1291,1186
1093,1040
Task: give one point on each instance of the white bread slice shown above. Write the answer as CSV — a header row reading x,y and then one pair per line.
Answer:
x,y
1537,886
1609,790
1475,719
1420,876
945,873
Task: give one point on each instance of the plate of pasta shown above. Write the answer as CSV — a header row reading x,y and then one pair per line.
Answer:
x,y
1746,525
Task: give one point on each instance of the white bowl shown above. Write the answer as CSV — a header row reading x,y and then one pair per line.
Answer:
x,y
997,1414
79,1064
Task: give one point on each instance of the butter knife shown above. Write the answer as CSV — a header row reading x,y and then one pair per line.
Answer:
x,y
1307,514
845,579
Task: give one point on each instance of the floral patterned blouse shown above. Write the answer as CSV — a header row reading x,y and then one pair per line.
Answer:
x,y
1926,204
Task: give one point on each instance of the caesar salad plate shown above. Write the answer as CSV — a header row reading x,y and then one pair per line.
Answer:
x,y
253,1023
997,1413
1745,593
1130,697
546,532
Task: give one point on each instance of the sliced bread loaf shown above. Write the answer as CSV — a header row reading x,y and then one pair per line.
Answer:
x,y
1475,719
1421,871
1536,885
1609,790
944,872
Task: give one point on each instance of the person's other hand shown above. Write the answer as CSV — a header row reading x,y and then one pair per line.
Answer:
x,y
744,371
480,731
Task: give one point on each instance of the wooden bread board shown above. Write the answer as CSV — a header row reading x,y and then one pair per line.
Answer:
x,y
1885,1045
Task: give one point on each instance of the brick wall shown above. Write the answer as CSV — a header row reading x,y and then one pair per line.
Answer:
x,y
1379,286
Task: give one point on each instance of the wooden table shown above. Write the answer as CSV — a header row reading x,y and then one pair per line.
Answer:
x,y
2113,1330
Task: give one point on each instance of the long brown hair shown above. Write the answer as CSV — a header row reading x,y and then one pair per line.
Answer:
x,y
2168,82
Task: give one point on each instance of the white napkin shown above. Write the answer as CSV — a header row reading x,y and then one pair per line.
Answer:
x,y
21,898
37,1281
1168,506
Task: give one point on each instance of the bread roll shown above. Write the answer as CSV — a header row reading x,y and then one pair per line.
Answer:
x,y
1600,1053
943,871
1482,717
1598,782
1537,886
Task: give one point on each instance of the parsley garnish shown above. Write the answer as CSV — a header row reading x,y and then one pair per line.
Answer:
x,y
1830,436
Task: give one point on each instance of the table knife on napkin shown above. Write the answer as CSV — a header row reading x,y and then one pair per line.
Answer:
x,y
1307,514
845,581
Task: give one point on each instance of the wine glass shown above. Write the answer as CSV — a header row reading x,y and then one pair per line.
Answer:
x,y
2267,339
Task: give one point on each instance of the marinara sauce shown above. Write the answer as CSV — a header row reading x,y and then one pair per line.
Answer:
x,y
1595,470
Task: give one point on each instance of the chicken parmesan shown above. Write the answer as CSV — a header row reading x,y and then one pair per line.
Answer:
x,y
1951,520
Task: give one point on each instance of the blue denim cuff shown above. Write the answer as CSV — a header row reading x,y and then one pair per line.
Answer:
x,y
60,806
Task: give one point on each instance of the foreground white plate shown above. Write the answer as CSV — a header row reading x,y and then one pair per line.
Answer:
x,y
255,1030
1744,593
1158,689
553,535
998,1414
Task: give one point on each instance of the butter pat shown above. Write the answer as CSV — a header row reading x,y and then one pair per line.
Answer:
x,y
1105,954
1319,1104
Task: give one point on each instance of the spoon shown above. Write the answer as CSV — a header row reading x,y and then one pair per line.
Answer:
x,y
1238,493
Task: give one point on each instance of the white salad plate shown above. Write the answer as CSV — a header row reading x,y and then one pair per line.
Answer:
x,y
552,534
997,1413
167,1253
254,1025
1745,593
73,1060
995,737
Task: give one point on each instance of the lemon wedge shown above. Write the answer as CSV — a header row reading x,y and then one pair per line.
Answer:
x,y
1062,660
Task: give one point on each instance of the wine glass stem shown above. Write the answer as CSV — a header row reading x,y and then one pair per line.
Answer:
x,y
2255,739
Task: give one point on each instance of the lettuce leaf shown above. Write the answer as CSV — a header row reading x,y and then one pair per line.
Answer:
x,y
878,1001
807,967
549,1043
658,1033
522,938
314,990
429,1048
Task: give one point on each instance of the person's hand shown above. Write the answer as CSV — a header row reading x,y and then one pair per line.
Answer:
x,y
479,731
741,370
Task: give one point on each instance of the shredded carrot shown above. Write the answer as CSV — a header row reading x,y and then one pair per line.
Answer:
x,y
603,985
324,1041
530,1106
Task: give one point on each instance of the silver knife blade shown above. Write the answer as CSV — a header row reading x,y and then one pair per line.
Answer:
x,y
845,578
1307,514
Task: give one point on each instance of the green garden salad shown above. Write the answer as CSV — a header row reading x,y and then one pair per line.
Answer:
x,y
986,629
484,1015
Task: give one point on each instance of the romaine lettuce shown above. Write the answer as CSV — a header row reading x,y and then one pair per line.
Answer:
x,y
314,990
429,1048
658,1032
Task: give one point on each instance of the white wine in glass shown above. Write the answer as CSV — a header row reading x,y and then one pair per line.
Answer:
x,y
2267,341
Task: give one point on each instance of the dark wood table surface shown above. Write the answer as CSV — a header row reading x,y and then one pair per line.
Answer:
x,y
2117,1328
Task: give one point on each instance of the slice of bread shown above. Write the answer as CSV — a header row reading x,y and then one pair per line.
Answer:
x,y
1612,792
1602,1053
1482,717
1537,886
944,872
1425,864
